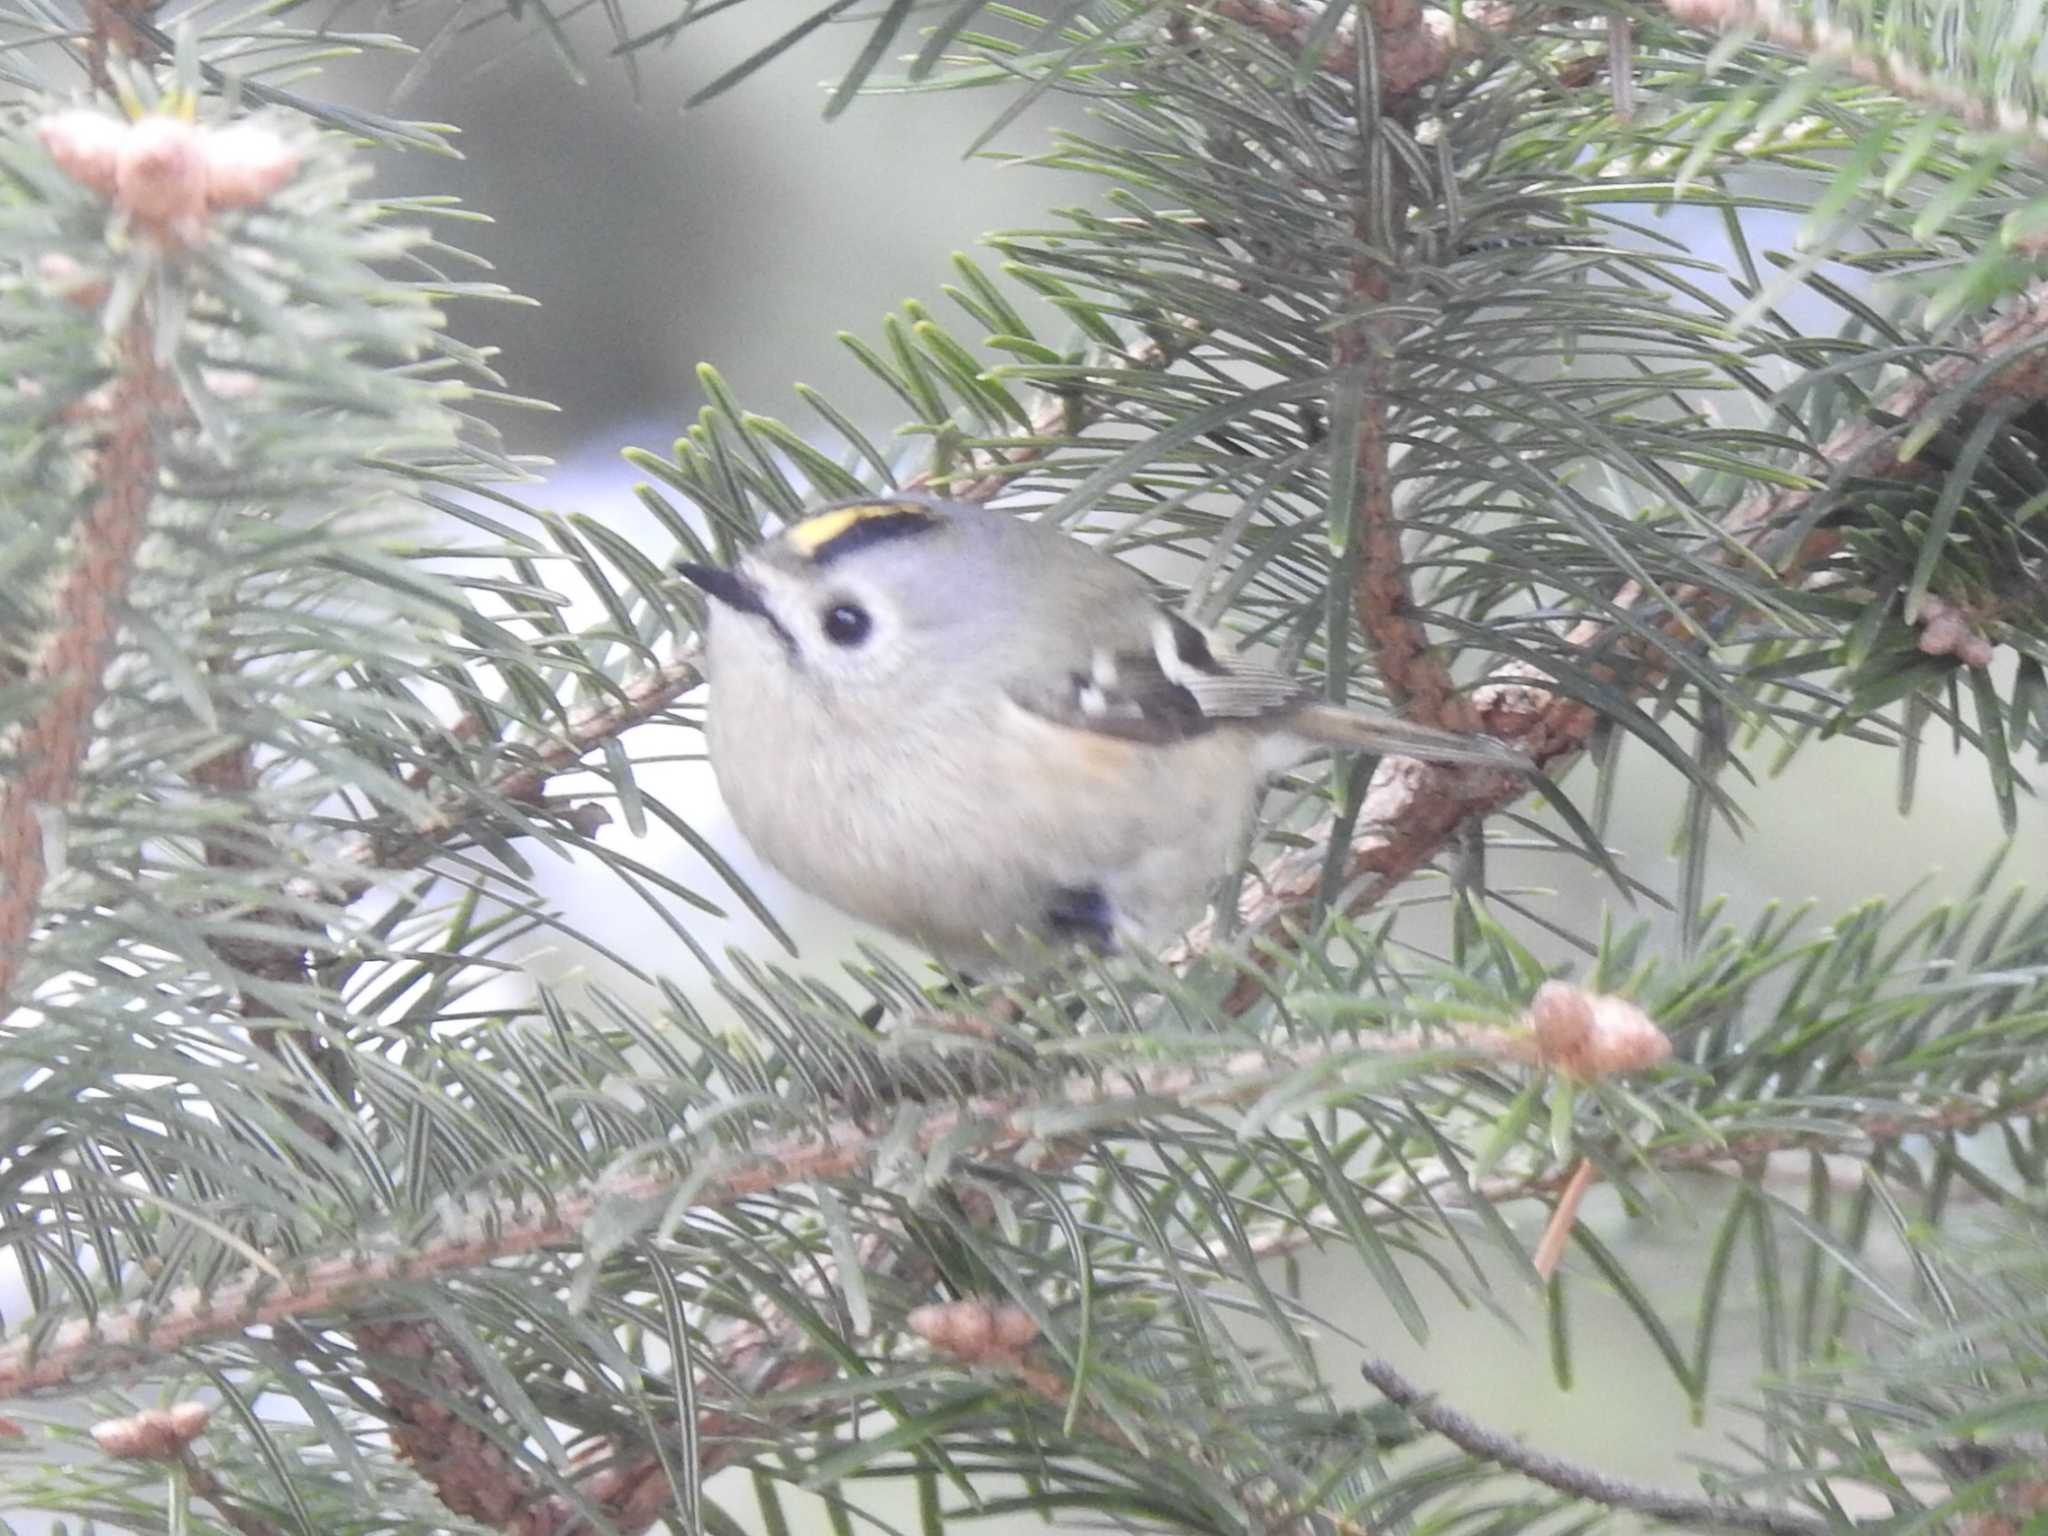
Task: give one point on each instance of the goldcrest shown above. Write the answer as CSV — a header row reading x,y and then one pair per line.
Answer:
x,y
981,734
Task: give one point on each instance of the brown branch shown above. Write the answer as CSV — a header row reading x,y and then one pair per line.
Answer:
x,y
1475,1439
68,673
628,1483
1382,599
419,1376
1859,447
118,29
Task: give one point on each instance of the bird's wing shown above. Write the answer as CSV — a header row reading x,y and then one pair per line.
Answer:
x,y
1179,687
1174,688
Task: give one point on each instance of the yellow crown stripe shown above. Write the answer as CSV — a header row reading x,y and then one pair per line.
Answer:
x,y
814,533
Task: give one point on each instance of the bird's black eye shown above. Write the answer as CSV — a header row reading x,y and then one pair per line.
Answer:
x,y
847,624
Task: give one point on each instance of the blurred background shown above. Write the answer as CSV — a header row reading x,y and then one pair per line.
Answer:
x,y
746,233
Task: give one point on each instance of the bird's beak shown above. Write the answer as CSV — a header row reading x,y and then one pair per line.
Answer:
x,y
727,587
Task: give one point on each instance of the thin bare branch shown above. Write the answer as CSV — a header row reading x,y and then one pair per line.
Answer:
x,y
1475,1439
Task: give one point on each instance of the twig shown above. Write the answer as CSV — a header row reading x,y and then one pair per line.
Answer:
x,y
643,698
469,1473
633,1488
68,673
422,1378
120,28
205,1485
1858,448
1477,1440
1957,1116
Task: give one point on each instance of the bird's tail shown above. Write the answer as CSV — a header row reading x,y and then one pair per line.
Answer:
x,y
1357,730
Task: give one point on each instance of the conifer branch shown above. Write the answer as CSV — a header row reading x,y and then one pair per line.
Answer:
x,y
68,672
1830,43
2005,363
1957,1116
1412,810
996,1127
1475,1439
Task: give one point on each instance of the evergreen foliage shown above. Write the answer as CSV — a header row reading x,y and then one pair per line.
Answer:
x,y
1377,343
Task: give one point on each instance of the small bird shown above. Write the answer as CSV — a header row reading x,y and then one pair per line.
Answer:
x,y
985,736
